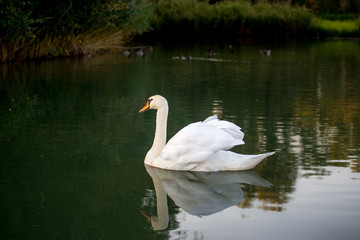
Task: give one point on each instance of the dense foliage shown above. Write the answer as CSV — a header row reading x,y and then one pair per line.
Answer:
x,y
231,17
40,28
320,6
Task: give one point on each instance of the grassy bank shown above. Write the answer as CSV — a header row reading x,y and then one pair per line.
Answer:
x,y
42,29
33,29
54,46
232,17
243,18
335,28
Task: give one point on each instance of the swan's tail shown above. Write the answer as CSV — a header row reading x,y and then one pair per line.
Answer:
x,y
230,161
250,161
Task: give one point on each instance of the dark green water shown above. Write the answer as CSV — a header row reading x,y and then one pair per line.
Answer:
x,y
73,144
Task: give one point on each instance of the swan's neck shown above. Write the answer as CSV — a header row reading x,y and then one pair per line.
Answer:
x,y
160,132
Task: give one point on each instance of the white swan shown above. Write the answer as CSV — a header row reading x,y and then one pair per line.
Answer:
x,y
200,146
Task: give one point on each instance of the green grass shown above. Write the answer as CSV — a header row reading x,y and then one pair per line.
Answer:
x,y
175,18
335,28
232,17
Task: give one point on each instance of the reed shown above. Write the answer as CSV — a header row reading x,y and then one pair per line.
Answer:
x,y
61,46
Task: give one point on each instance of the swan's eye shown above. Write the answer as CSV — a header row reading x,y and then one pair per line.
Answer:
x,y
149,100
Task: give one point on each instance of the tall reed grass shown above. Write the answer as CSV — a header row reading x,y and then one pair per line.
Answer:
x,y
60,46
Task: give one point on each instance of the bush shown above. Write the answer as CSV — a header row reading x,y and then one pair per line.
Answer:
x,y
233,17
335,28
15,20
41,28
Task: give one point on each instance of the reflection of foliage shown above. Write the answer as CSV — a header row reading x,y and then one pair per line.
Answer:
x,y
18,106
317,124
271,199
356,166
69,165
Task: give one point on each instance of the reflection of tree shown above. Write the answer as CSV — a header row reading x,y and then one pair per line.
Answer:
x,y
18,106
330,113
69,162
309,122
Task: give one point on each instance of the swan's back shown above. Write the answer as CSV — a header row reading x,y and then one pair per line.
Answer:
x,y
226,126
198,141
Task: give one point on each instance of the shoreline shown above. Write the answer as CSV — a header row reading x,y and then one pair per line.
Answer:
x,y
187,20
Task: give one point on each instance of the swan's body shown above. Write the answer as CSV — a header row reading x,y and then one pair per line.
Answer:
x,y
200,146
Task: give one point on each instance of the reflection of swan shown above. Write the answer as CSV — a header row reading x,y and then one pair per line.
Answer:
x,y
200,146
160,221
198,193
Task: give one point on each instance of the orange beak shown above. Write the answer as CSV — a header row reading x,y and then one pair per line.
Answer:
x,y
146,107
145,215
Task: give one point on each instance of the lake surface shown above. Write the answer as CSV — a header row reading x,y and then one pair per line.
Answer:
x,y
72,144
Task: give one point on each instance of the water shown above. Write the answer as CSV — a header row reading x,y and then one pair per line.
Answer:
x,y
73,144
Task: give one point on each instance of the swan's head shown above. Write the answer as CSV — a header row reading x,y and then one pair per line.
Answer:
x,y
155,102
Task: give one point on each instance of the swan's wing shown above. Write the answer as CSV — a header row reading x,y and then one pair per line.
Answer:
x,y
196,142
229,127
